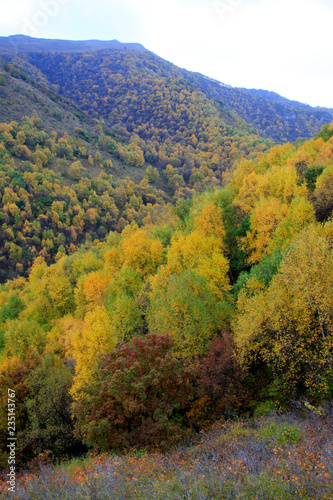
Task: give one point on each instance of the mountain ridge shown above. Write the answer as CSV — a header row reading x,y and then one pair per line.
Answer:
x,y
24,43
270,114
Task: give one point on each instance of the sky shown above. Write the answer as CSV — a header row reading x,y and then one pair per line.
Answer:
x,y
280,45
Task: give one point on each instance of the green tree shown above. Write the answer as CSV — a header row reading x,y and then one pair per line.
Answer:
x,y
185,308
50,424
12,308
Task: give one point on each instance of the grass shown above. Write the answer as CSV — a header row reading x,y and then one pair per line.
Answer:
x,y
274,457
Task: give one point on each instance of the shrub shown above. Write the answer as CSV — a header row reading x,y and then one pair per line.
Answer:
x,y
220,391
139,399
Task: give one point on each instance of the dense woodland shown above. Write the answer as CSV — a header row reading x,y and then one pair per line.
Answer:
x,y
50,204
134,314
135,334
122,74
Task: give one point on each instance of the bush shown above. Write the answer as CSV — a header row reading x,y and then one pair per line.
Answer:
x,y
139,399
220,390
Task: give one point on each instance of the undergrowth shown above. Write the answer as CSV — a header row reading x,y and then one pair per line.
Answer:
x,y
275,457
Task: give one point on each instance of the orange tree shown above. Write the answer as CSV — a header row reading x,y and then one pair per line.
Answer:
x,y
139,399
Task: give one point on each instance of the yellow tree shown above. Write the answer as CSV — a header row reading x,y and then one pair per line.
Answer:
x,y
215,271
243,169
49,292
281,182
300,214
96,337
209,223
193,252
59,338
95,288
290,325
140,253
186,251
248,194
264,220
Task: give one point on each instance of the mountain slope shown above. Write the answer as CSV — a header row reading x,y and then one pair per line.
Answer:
x,y
73,118
57,192
21,96
163,117
270,114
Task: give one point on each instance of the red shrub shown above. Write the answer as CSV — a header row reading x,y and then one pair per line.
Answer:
x,y
220,388
139,399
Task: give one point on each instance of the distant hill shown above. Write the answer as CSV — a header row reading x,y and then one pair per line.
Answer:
x,y
148,104
277,99
22,96
266,113
23,43
271,114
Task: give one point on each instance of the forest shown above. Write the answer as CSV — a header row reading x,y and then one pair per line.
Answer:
x,y
138,310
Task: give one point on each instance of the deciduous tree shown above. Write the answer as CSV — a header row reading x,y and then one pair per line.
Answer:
x,y
139,399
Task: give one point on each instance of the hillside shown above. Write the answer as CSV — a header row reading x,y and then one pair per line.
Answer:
x,y
145,104
22,95
271,115
164,266
49,136
50,204
151,315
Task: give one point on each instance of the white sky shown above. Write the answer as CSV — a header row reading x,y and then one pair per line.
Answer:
x,y
279,45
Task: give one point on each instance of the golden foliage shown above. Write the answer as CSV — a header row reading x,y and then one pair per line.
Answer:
x,y
264,220
140,253
92,338
290,325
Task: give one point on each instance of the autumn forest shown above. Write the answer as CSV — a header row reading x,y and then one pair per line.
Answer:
x,y
166,259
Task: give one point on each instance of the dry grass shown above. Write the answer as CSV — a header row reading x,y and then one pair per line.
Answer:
x,y
277,457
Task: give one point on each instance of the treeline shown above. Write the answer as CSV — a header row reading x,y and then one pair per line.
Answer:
x,y
223,308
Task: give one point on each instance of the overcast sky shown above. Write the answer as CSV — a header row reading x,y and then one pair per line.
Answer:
x,y
279,45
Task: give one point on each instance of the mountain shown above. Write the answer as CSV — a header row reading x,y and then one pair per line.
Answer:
x,y
276,98
22,96
73,64
271,114
93,140
148,105
23,43
165,264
